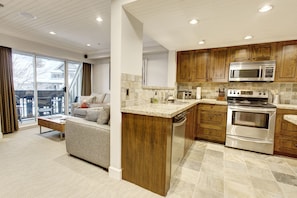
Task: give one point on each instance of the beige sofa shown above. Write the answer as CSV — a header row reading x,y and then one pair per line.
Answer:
x,y
88,140
94,101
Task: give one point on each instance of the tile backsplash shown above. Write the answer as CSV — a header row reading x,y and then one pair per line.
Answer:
x,y
138,95
133,93
287,91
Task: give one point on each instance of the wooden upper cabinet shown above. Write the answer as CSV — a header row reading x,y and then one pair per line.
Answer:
x,y
184,61
200,65
219,65
286,66
192,66
240,53
212,65
261,52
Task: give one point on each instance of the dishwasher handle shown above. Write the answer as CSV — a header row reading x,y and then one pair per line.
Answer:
x,y
180,122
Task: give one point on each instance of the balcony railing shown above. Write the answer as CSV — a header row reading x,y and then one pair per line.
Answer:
x,y
49,103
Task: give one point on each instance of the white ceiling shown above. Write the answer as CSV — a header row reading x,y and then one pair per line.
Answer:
x,y
222,22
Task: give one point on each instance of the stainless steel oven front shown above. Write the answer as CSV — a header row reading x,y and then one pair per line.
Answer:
x,y
251,128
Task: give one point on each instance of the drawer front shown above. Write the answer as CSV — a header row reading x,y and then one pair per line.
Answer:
x,y
211,134
217,118
288,146
210,107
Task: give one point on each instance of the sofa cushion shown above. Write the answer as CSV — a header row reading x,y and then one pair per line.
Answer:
x,y
80,112
92,114
104,115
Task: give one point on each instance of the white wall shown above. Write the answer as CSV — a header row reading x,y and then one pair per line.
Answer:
x,y
156,69
132,45
171,69
40,49
101,76
126,57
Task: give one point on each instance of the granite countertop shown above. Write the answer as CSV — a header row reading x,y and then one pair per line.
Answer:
x,y
291,118
286,106
168,110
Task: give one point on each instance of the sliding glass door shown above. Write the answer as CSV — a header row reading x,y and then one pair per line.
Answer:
x,y
44,86
23,76
74,82
50,86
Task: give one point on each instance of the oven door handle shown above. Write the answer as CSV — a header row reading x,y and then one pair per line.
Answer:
x,y
252,109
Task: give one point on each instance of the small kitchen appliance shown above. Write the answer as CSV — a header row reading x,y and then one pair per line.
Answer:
x,y
257,71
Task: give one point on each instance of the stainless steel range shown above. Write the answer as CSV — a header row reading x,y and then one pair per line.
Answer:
x,y
250,121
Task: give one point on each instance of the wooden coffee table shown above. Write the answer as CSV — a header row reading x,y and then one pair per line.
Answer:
x,y
55,123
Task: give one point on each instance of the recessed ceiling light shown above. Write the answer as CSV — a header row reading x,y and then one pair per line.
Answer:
x,y
201,42
89,45
27,15
193,21
53,33
99,19
265,8
248,37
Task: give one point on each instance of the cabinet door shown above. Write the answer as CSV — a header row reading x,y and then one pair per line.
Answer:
x,y
211,122
200,65
286,67
285,140
184,61
219,65
262,52
240,53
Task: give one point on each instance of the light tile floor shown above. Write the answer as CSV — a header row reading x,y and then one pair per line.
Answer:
x,y
34,165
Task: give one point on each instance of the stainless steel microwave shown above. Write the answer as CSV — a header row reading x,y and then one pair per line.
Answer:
x,y
258,71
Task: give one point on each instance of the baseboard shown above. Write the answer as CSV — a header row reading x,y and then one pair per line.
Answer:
x,y
115,173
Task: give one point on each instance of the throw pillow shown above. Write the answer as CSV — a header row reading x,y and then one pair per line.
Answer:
x,y
104,115
98,97
84,104
88,99
92,115
106,98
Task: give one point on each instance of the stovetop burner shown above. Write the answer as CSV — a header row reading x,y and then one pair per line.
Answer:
x,y
253,104
248,98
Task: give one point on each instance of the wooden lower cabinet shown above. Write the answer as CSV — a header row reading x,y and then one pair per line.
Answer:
x,y
211,122
285,139
190,128
146,151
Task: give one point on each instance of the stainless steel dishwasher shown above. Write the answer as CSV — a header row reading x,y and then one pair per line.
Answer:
x,y
178,141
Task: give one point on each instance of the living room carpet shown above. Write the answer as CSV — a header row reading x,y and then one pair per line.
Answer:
x,y
34,165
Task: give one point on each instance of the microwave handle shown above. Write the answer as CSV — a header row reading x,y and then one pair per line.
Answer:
x,y
231,73
261,72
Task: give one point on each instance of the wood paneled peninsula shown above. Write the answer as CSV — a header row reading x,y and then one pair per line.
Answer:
x,y
147,141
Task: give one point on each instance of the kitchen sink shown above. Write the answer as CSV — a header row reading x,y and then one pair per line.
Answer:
x,y
176,102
